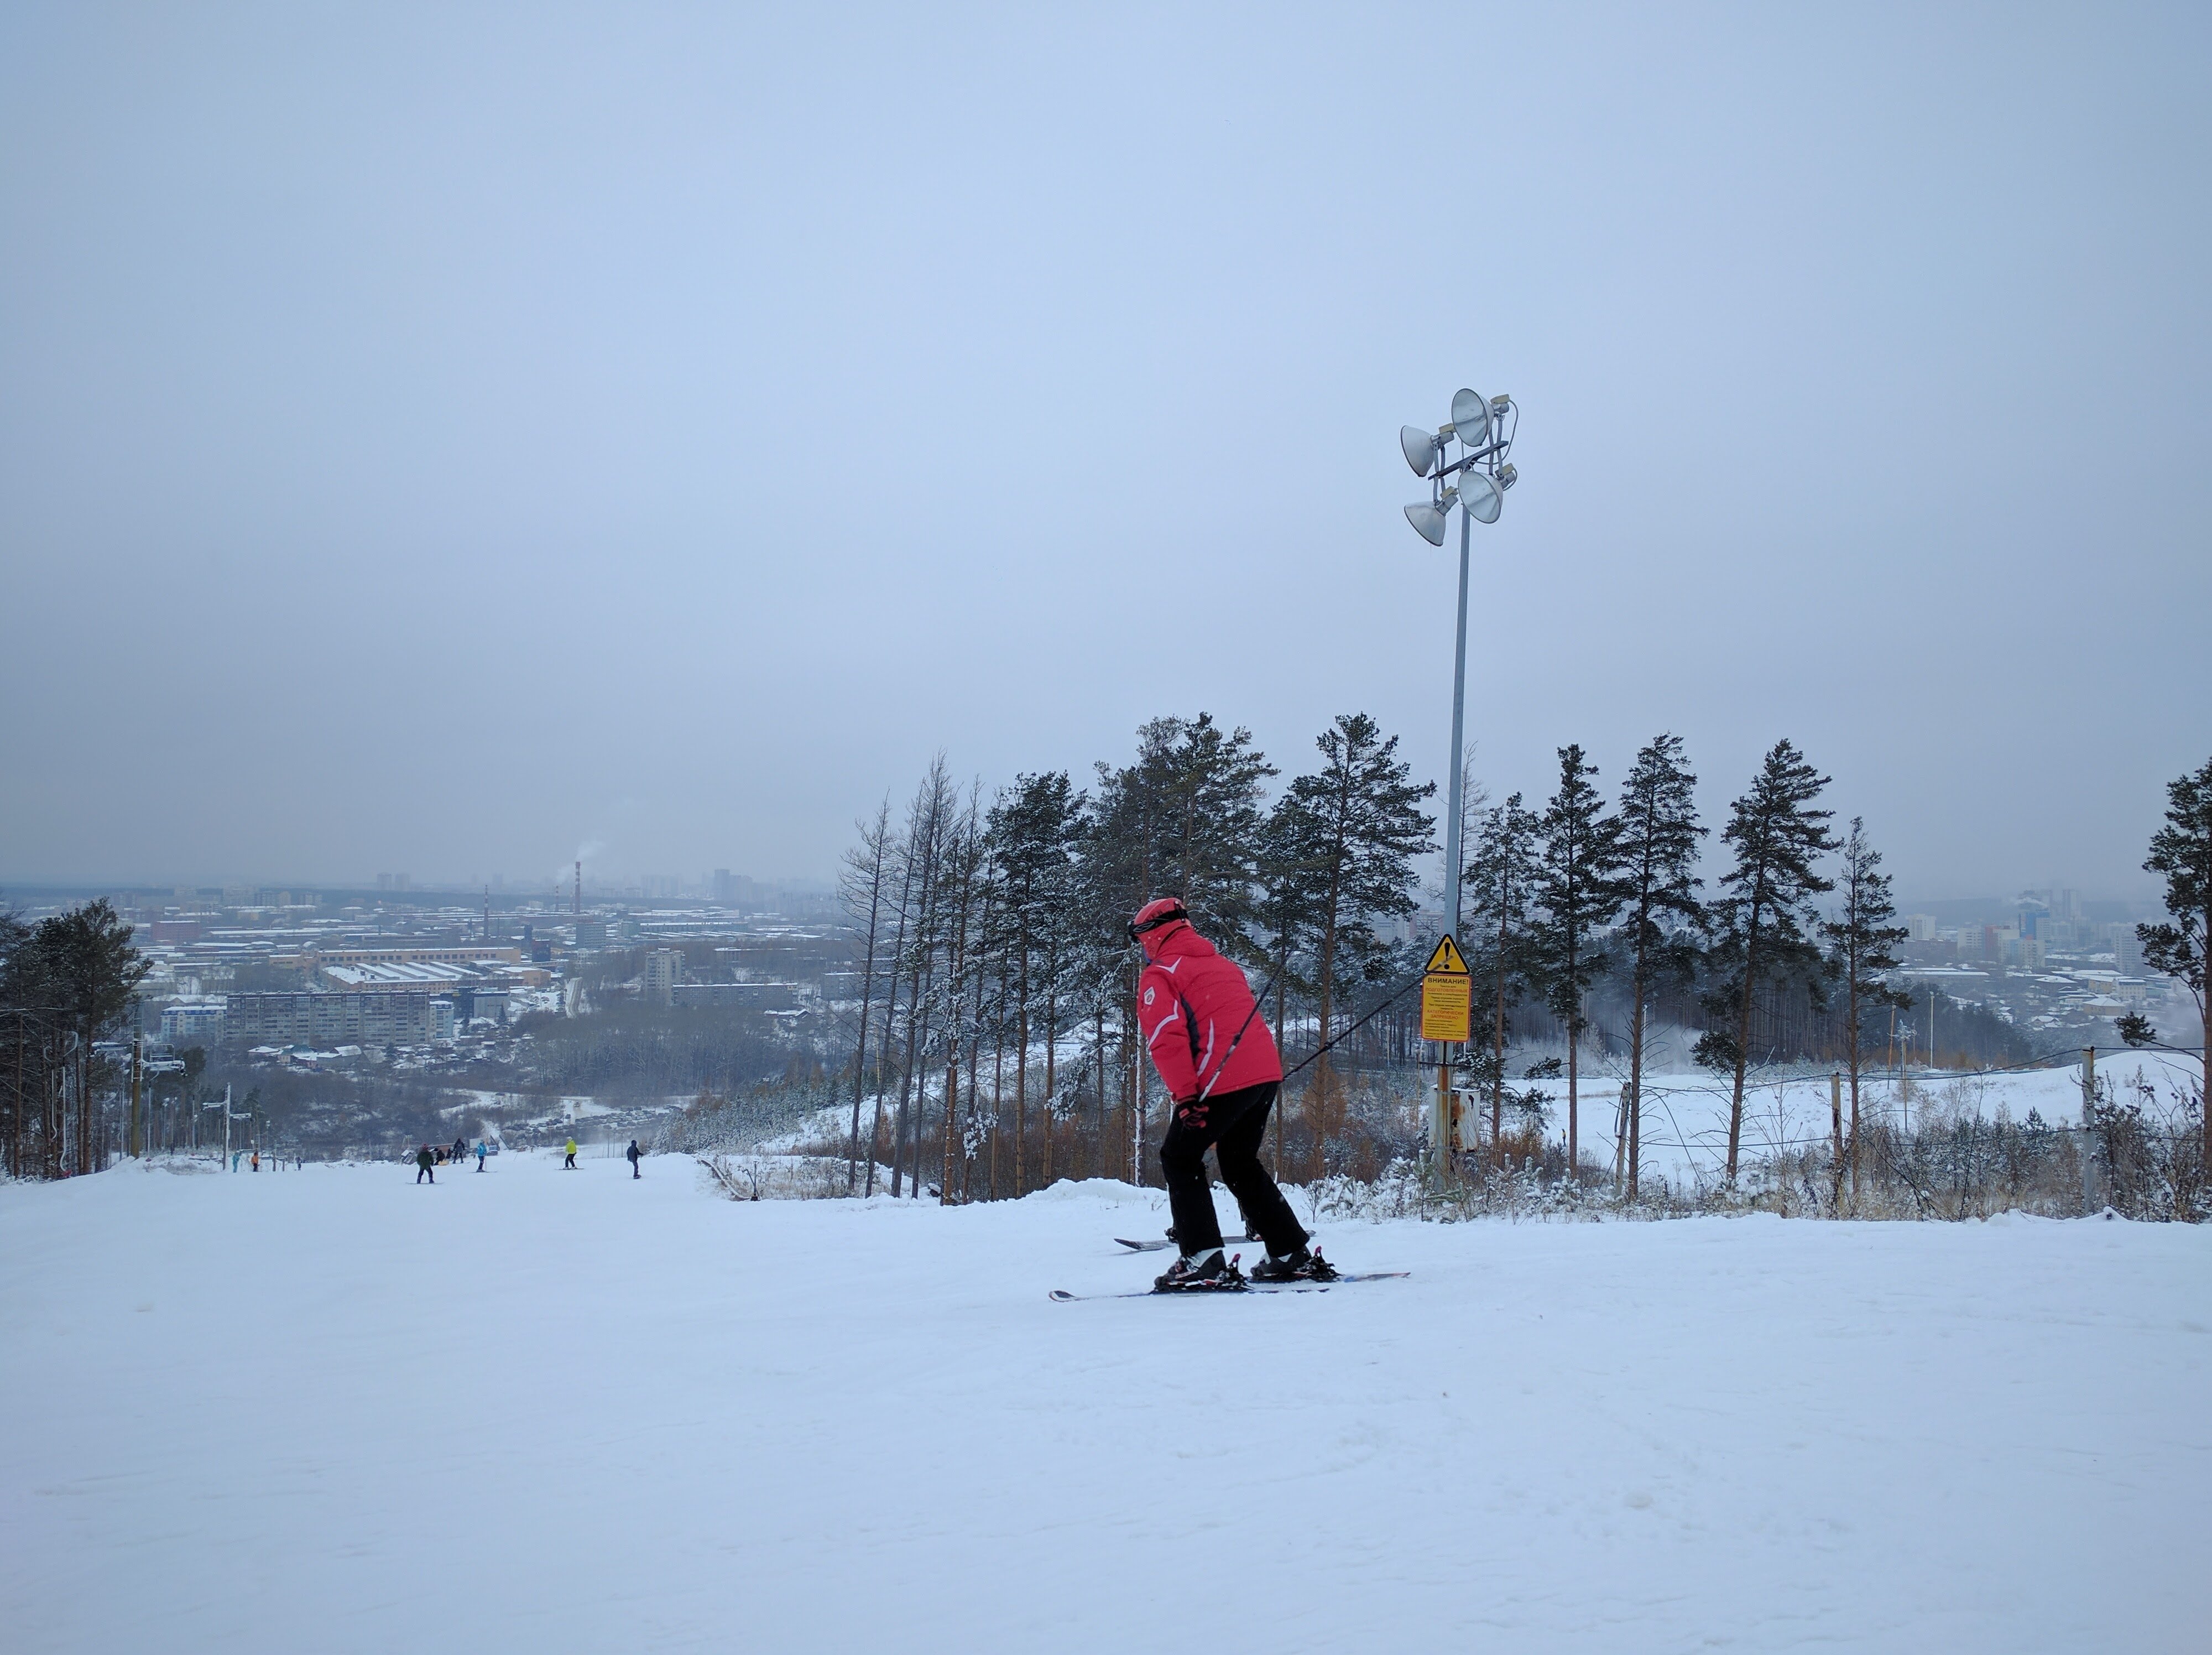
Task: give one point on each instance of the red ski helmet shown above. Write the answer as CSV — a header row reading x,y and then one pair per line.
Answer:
x,y
1161,910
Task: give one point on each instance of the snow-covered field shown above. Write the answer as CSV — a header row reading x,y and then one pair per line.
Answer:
x,y
537,1410
1686,1114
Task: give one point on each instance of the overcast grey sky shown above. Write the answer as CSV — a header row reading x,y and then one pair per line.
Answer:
x,y
438,438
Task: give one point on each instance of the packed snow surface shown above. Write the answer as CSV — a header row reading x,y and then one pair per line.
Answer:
x,y
534,1409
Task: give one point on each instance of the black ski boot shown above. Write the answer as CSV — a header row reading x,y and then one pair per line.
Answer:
x,y
1300,1266
1212,1274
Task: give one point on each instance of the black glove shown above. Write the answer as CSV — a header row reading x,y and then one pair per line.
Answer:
x,y
1192,1112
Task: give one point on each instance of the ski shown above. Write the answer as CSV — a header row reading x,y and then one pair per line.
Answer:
x,y
1162,1244
1061,1296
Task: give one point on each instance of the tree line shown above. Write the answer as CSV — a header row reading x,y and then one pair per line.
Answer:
x,y
994,1048
66,983
1563,898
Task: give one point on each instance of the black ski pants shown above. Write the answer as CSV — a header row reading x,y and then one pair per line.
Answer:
x,y
1236,1125
423,1172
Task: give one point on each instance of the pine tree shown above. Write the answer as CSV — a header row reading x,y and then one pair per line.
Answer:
x,y
2181,944
1211,825
968,887
1108,881
1184,821
930,821
71,974
1289,912
1659,836
1031,835
987,972
903,856
1501,875
21,1066
1578,892
1762,919
1059,937
1359,819
862,890
1861,941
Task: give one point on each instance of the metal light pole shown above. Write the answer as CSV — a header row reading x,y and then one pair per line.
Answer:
x,y
1476,482
1455,806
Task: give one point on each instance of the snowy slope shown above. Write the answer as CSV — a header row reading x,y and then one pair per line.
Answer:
x,y
532,1409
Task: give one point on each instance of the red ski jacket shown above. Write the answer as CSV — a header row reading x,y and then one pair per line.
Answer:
x,y
1190,1003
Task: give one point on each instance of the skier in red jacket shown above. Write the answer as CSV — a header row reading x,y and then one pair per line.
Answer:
x,y
1218,1060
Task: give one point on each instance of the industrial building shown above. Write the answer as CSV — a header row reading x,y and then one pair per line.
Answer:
x,y
401,954
192,1023
327,1019
663,970
746,997
381,977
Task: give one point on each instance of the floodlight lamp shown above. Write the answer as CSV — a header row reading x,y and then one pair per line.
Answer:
x,y
1507,474
1421,448
1480,496
1499,403
1428,519
1471,417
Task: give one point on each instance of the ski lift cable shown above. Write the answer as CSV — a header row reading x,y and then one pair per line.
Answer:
x,y
1354,1028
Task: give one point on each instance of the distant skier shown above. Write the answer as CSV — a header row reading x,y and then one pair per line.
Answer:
x,y
1218,1060
425,1166
570,1164
460,1151
481,1153
636,1155
255,1165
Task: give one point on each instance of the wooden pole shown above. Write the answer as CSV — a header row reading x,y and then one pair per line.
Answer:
x,y
1836,1115
1442,1130
2089,1114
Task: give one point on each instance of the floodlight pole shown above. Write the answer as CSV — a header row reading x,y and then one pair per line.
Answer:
x,y
1431,520
1452,869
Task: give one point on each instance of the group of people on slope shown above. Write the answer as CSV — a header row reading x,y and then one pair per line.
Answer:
x,y
633,1155
428,1161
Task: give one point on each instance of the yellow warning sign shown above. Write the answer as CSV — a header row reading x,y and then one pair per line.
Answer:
x,y
1447,958
1447,995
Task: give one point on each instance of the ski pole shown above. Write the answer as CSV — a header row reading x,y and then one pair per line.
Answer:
x,y
1355,1027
